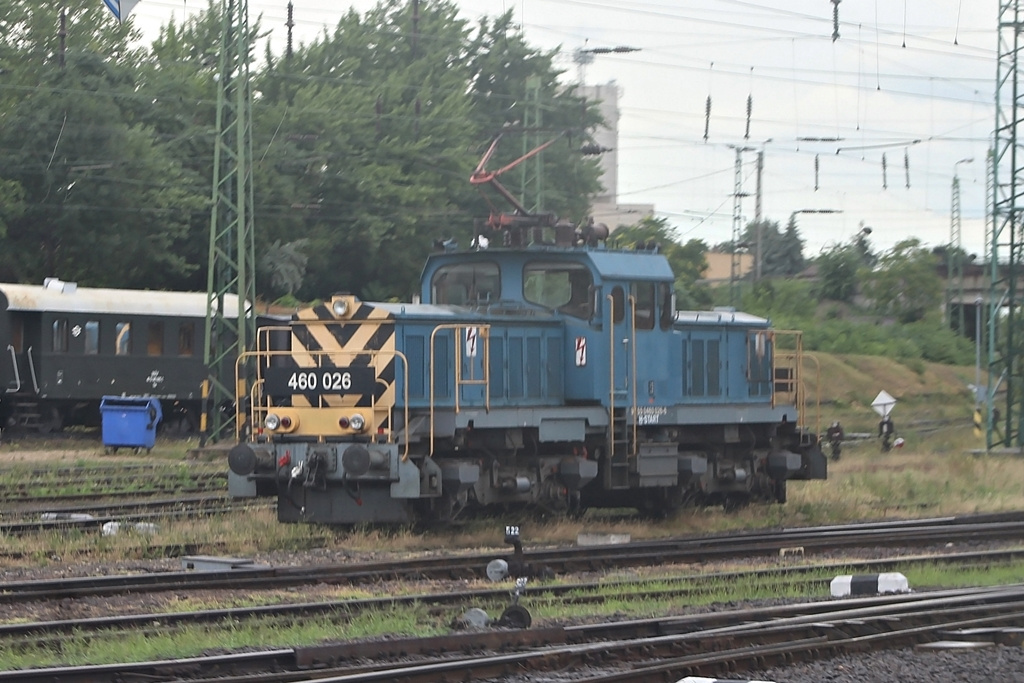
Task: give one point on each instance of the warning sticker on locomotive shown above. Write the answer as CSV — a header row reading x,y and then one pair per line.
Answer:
x,y
471,337
581,351
318,381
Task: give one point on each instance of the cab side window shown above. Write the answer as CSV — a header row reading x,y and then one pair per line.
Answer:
x,y
644,294
667,303
563,287
618,304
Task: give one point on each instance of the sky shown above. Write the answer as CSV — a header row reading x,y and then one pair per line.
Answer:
x,y
864,129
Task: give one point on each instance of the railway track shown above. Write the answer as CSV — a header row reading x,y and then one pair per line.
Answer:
x,y
805,579
84,518
539,563
635,651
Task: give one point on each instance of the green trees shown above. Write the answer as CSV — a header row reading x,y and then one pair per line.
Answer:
x,y
101,200
363,144
782,253
904,284
687,260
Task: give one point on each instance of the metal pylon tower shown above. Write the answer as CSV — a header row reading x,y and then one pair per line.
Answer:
x,y
736,264
955,262
230,323
532,173
1005,338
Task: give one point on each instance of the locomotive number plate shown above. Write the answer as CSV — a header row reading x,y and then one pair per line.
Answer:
x,y
334,381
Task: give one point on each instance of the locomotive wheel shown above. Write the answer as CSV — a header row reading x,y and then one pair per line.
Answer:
x,y
180,423
51,421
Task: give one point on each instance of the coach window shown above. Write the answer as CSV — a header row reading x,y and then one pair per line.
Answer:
x,y
564,287
644,293
17,334
92,337
467,284
155,343
186,335
60,335
123,339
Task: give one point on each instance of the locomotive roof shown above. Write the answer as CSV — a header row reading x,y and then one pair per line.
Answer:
x,y
68,298
609,264
719,317
505,309
631,265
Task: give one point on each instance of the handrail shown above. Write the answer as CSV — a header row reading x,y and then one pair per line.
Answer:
x,y
611,375
796,390
32,370
632,342
484,332
17,375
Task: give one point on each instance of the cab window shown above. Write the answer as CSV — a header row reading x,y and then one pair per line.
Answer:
x,y
644,294
618,304
564,287
468,284
668,305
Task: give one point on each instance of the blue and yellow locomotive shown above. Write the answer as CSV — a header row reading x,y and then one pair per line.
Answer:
x,y
556,375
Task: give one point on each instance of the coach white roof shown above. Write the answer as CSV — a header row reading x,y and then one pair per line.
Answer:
x,y
67,297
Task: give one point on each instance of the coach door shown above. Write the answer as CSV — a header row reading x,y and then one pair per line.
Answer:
x,y
20,370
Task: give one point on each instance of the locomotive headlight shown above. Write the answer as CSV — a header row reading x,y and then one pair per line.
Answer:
x,y
271,421
340,307
357,422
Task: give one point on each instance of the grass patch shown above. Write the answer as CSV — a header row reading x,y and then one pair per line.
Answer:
x,y
192,641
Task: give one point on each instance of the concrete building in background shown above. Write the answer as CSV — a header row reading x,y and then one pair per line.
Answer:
x,y
606,207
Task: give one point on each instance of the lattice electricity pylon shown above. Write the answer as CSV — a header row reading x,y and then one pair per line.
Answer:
x,y
230,323
735,265
1007,248
531,176
955,261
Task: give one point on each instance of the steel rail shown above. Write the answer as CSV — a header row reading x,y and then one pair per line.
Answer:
x,y
574,593
562,560
681,644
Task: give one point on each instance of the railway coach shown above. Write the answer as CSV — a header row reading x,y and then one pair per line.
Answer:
x,y
65,347
554,374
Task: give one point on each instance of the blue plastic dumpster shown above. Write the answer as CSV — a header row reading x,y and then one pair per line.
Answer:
x,y
129,422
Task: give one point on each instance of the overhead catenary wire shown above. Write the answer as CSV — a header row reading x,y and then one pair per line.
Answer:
x,y
874,130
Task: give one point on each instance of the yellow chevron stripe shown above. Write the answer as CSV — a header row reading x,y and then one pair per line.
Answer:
x,y
322,329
